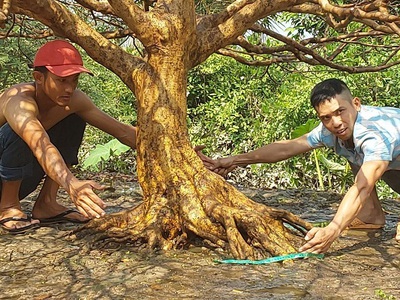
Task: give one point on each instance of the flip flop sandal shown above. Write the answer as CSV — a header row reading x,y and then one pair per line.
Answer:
x,y
20,229
62,218
358,224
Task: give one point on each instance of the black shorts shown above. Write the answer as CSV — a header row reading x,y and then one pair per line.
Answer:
x,y
17,161
391,177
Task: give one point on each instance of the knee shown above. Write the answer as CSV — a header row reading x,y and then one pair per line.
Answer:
x,y
391,178
8,138
14,152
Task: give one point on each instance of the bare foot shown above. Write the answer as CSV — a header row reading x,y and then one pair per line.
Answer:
x,y
398,233
376,217
15,224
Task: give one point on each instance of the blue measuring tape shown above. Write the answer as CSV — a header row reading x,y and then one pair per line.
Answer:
x,y
270,259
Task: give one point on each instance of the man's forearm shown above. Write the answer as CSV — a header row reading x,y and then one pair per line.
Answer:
x,y
129,136
54,166
270,153
349,207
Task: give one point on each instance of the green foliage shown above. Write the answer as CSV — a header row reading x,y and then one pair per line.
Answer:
x,y
305,128
98,157
302,25
111,95
300,131
320,157
220,102
244,108
238,103
235,108
382,295
14,59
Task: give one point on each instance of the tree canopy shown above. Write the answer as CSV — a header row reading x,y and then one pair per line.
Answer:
x,y
327,32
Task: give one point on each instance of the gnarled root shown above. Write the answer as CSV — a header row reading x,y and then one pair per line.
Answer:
x,y
222,216
158,227
251,234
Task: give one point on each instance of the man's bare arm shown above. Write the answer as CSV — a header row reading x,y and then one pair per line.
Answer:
x,y
364,184
21,114
270,153
320,239
88,111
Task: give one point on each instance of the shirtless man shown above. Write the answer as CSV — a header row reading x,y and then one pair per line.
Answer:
x,y
367,136
42,125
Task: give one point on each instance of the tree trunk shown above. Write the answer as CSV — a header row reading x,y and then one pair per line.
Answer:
x,y
181,198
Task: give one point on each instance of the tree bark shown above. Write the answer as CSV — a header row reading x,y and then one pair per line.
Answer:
x,y
182,199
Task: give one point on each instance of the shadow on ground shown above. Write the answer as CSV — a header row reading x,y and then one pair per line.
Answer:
x,y
45,265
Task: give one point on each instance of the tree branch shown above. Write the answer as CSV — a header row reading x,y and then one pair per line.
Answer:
x,y
99,6
359,11
136,19
302,53
229,11
229,24
66,24
238,56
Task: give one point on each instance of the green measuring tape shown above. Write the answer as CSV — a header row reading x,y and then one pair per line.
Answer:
x,y
270,259
320,224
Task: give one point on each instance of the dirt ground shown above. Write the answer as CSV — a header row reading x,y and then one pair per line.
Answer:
x,y
45,264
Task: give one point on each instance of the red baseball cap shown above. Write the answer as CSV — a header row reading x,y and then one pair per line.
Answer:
x,y
60,58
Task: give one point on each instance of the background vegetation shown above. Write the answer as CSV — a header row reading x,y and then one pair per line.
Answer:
x,y
232,108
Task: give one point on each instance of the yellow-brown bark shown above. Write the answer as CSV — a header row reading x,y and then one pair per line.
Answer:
x,y
202,205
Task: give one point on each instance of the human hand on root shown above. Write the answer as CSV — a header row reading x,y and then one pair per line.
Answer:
x,y
320,239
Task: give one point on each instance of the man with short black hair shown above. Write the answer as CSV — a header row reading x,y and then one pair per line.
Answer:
x,y
42,128
368,137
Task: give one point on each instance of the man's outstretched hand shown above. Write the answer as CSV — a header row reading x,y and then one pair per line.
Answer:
x,y
85,199
221,166
207,161
318,240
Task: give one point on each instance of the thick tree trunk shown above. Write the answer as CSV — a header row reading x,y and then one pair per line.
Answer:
x,y
181,198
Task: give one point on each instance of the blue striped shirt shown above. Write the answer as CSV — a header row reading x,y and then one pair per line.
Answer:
x,y
376,136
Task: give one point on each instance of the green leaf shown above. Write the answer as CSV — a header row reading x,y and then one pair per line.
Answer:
x,y
104,152
305,128
116,147
331,165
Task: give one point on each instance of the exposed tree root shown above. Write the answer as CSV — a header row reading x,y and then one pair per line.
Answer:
x,y
218,214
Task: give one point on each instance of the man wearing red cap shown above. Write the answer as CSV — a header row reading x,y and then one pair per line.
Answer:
x,y
42,125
